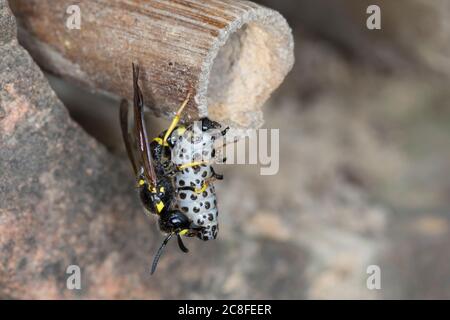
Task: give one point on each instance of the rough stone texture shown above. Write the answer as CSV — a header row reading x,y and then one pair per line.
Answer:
x,y
363,155
387,133
7,24
59,203
232,54
66,200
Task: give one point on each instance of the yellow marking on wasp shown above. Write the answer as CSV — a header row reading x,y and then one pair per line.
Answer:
x,y
159,206
176,119
152,189
183,232
162,189
160,141
140,183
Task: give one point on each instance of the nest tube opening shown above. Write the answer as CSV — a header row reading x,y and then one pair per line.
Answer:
x,y
246,65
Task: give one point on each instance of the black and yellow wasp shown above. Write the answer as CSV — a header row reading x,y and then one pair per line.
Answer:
x,y
160,179
155,186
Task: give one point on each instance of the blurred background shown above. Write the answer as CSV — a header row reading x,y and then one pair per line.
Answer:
x,y
364,122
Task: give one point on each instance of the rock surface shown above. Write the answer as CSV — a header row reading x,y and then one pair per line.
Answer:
x,y
66,200
362,156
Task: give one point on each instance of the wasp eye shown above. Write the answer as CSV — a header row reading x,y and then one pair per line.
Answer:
x,y
175,221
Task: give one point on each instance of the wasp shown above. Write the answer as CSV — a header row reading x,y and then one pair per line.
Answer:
x,y
172,183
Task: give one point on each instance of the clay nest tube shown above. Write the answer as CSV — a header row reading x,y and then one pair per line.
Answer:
x,y
231,54
246,66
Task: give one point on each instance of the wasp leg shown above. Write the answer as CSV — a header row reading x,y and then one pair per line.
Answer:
x,y
216,175
203,188
198,191
176,119
224,131
181,244
191,164
169,168
187,189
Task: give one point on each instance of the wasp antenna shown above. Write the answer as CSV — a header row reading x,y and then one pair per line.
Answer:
x,y
181,244
159,252
135,68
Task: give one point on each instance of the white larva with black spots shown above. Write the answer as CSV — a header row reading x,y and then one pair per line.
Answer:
x,y
200,205
201,209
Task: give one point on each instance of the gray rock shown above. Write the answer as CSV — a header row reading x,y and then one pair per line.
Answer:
x,y
307,232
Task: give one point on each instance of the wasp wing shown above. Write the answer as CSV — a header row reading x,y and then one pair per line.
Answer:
x,y
140,130
127,138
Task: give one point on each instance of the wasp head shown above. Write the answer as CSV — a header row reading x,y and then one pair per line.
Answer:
x,y
174,221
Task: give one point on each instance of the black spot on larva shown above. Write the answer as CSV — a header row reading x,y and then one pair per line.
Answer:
x,y
196,169
213,153
183,195
197,181
182,182
193,197
201,204
192,184
205,194
210,217
204,174
196,210
207,205
204,216
185,209
200,222
215,202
